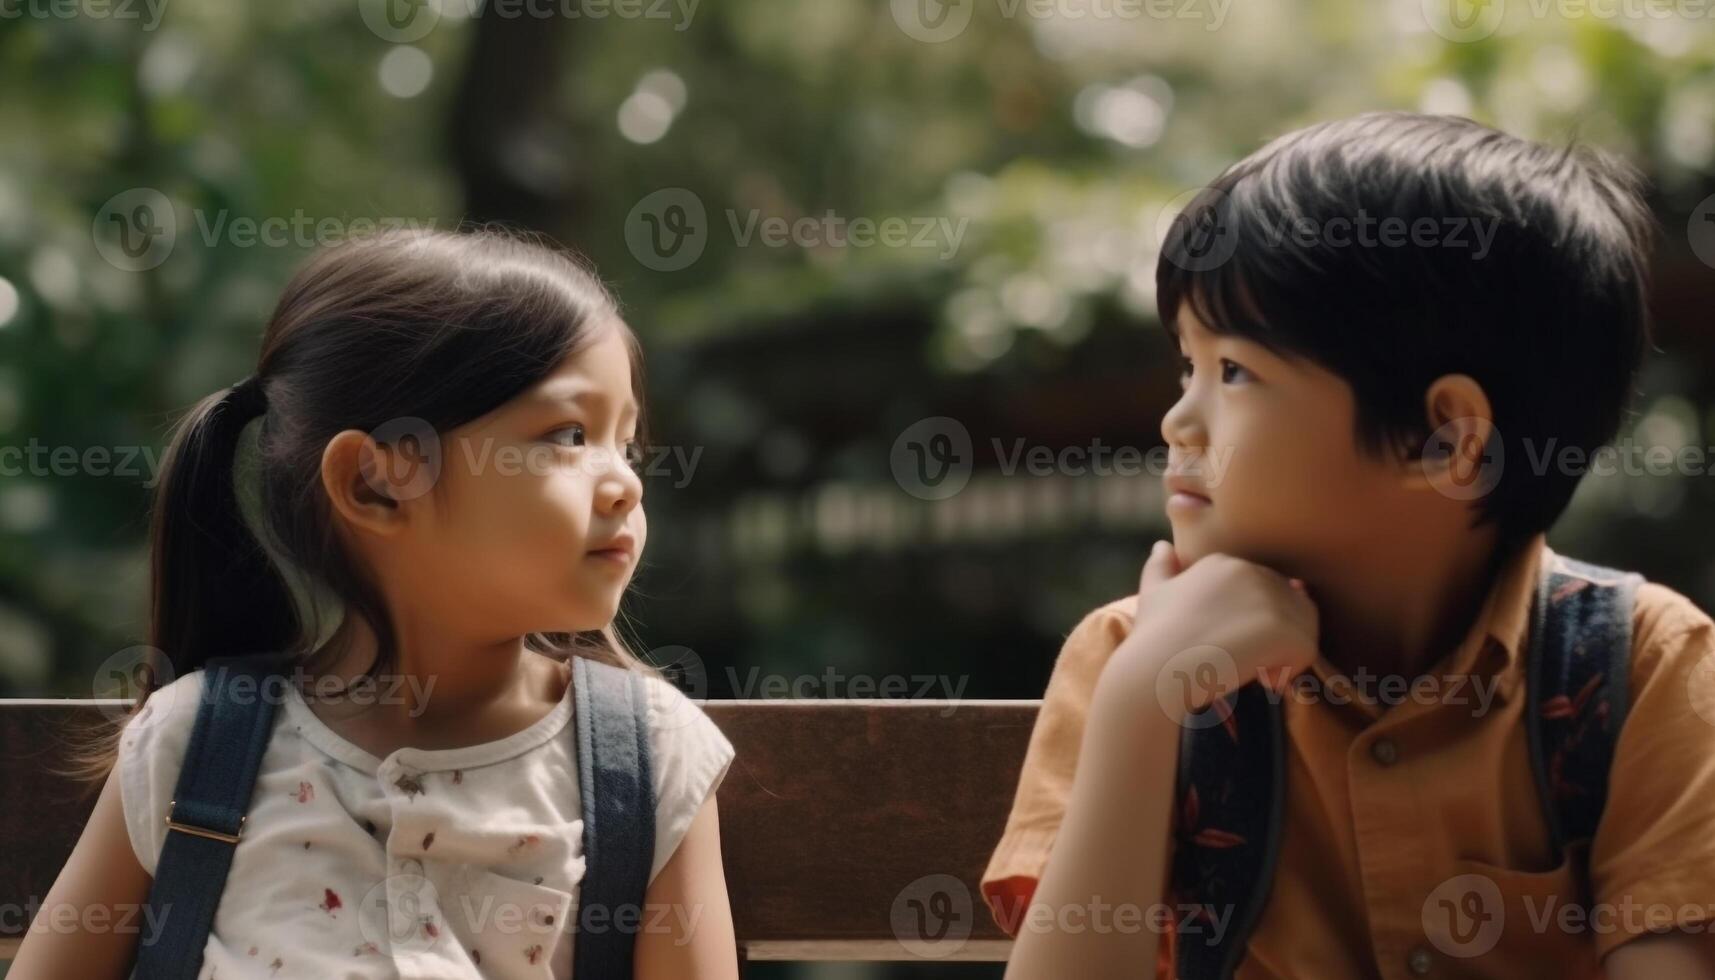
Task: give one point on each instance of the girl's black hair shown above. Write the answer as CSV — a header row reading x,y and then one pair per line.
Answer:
x,y
1550,316
436,326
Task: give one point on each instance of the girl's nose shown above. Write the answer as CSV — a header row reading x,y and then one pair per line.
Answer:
x,y
619,487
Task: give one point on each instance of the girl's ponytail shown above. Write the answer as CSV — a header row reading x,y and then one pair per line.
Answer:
x,y
215,591
435,326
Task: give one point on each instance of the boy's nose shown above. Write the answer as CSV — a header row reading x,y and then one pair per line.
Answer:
x,y
1180,425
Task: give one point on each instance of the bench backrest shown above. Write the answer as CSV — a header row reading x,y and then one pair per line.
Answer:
x,y
852,830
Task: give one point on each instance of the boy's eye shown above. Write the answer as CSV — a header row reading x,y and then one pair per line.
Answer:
x,y
1228,369
634,456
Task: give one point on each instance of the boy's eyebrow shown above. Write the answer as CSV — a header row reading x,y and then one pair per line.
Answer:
x,y
1184,331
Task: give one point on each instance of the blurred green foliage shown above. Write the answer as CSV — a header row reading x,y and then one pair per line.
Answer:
x,y
1054,144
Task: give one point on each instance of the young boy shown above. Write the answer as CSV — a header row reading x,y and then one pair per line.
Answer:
x,y
1402,336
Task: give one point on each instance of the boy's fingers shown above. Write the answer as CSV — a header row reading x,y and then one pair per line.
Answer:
x,y
1159,567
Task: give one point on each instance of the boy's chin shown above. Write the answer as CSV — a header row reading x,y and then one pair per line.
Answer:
x,y
1191,546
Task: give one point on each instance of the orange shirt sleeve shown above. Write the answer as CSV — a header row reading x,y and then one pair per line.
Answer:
x,y
1045,782
1652,862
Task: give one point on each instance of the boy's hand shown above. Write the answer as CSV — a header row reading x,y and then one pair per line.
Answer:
x,y
1201,633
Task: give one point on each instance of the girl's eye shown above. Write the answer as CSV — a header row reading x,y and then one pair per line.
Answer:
x,y
576,427
634,454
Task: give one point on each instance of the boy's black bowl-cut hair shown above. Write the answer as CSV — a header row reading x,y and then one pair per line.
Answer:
x,y
1549,314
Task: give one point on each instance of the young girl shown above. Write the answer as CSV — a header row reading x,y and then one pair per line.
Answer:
x,y
448,449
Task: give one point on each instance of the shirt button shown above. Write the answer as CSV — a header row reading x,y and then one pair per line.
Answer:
x,y
1419,961
1385,752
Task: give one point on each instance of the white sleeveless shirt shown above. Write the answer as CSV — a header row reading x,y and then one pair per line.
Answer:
x,y
425,864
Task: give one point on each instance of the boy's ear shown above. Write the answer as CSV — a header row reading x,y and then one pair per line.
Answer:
x,y
371,483
1458,458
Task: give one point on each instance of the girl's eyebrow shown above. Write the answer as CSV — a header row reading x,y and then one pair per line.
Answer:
x,y
580,394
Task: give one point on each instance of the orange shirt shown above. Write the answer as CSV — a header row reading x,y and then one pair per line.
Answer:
x,y
1388,804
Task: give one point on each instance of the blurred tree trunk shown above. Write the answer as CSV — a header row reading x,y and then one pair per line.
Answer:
x,y
510,135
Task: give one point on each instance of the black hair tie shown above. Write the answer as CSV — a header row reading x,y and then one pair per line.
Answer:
x,y
247,399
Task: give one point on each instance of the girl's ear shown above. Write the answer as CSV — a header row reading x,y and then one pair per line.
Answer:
x,y
369,483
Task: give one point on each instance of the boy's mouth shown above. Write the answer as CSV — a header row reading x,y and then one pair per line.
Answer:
x,y
1177,485
1185,495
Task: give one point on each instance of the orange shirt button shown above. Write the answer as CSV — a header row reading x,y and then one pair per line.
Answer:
x,y
1384,750
1419,961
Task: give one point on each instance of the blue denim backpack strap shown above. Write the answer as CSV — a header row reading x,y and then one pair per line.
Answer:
x,y
1580,661
618,789
205,820
1231,790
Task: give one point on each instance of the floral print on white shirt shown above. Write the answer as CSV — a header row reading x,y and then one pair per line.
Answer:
x,y
425,864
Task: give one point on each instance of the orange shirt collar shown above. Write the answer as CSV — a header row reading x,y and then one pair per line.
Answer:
x,y
1494,646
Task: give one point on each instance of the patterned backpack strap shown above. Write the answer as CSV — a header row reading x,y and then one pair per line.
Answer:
x,y
206,817
1580,661
618,788
1232,789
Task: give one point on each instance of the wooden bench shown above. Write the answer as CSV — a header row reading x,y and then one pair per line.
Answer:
x,y
852,830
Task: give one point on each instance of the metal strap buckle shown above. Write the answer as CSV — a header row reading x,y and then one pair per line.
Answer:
x,y
204,831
